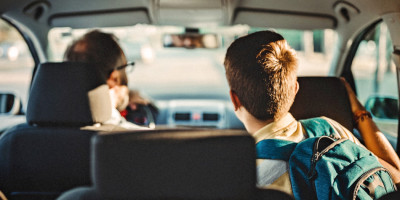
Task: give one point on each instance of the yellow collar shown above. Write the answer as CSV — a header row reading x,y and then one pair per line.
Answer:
x,y
286,128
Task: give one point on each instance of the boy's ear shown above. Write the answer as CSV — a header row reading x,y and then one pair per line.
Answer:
x,y
235,100
297,86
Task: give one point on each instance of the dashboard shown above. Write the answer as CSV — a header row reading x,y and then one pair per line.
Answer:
x,y
206,113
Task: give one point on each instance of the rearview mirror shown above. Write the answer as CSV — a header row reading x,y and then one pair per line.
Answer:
x,y
191,40
10,104
383,107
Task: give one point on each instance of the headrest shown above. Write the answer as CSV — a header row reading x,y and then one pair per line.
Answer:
x,y
174,164
323,96
68,94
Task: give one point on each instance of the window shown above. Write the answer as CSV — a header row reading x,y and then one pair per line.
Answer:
x,y
168,71
16,62
375,79
201,69
314,49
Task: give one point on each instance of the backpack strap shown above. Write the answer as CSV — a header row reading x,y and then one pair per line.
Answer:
x,y
282,149
270,170
316,127
275,149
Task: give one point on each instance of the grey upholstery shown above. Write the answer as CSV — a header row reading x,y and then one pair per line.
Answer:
x,y
323,96
51,154
68,94
171,164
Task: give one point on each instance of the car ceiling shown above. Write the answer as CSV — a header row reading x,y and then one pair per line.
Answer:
x,y
36,18
188,12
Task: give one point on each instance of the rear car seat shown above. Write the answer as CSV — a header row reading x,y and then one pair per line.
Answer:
x,y
173,164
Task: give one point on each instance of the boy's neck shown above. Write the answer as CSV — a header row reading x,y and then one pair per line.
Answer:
x,y
253,125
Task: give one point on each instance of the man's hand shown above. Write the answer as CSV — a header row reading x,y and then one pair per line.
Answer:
x,y
356,105
119,97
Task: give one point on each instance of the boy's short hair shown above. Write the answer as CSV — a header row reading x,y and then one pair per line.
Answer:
x,y
261,69
99,48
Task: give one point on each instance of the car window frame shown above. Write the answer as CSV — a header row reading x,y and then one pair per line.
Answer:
x,y
31,47
347,72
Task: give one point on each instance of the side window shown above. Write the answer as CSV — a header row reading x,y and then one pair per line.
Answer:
x,y
375,79
16,63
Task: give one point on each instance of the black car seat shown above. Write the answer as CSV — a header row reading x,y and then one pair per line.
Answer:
x,y
50,153
323,96
173,164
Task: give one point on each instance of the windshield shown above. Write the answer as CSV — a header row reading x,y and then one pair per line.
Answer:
x,y
164,73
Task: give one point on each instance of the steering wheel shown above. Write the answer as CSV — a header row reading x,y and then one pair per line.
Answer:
x,y
144,115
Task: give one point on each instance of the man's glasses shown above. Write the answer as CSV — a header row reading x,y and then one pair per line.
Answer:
x,y
128,67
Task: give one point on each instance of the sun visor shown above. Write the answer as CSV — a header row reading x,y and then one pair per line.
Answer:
x,y
109,18
283,19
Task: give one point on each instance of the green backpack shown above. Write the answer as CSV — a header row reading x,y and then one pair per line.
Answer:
x,y
322,167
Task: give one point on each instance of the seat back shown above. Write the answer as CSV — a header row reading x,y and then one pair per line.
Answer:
x,y
44,160
323,96
50,153
175,164
172,164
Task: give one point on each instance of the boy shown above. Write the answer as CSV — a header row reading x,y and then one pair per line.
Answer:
x,y
261,71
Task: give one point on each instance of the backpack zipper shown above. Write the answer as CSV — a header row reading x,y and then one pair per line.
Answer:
x,y
317,155
312,175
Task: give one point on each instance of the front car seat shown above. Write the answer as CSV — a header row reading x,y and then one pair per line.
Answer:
x,y
50,153
323,96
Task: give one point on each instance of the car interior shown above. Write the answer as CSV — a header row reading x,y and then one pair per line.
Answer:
x,y
55,142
